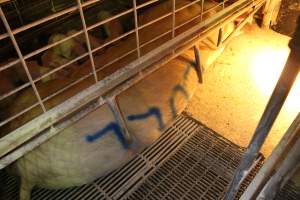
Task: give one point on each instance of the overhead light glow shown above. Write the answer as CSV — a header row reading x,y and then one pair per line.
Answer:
x,y
267,66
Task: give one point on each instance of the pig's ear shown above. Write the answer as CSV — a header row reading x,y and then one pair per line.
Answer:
x,y
107,30
103,14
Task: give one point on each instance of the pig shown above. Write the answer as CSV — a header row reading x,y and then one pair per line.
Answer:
x,y
76,46
7,84
15,76
111,29
62,54
71,159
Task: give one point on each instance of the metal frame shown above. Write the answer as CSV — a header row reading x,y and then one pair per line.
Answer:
x,y
276,101
288,167
275,158
126,75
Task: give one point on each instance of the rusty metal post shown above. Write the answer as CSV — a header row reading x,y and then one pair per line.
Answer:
x,y
220,37
198,64
270,13
272,109
119,117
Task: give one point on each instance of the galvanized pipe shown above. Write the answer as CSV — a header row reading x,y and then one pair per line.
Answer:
x,y
283,173
88,44
271,112
119,117
198,64
268,168
136,26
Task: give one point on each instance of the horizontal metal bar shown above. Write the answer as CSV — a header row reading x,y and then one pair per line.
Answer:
x,y
60,67
19,114
90,2
67,87
156,38
146,4
40,21
187,5
45,120
188,21
113,40
4,1
40,50
117,59
8,65
14,91
109,19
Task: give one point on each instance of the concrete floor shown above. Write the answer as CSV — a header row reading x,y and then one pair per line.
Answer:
x,y
238,85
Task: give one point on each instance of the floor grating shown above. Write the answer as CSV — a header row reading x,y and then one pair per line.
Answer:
x,y
189,161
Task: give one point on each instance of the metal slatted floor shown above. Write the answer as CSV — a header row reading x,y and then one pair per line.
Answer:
x,y
289,192
189,161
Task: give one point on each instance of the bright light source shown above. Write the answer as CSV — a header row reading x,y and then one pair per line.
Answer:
x,y
267,66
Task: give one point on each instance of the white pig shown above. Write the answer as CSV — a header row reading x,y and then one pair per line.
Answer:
x,y
81,153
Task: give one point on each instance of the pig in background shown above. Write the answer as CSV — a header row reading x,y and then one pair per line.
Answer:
x,y
14,77
51,59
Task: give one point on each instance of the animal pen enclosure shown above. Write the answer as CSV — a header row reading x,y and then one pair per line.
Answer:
x,y
65,62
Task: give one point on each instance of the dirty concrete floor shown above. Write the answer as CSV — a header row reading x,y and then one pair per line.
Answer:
x,y
232,98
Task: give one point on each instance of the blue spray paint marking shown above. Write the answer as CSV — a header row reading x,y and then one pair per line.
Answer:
x,y
154,111
115,128
176,89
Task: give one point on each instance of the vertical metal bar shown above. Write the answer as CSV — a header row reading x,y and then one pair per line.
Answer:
x,y
202,6
173,17
272,109
277,155
18,12
114,106
220,37
87,39
287,169
136,24
198,64
16,46
53,6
